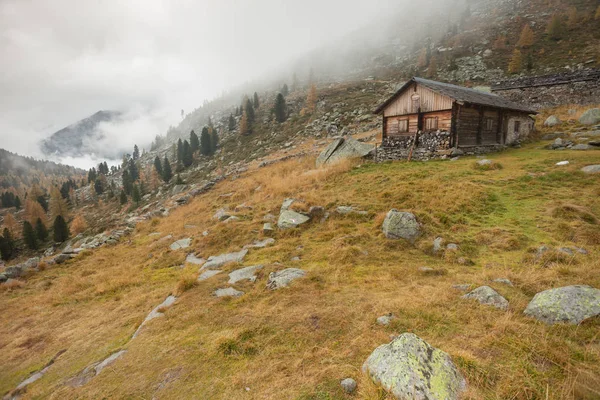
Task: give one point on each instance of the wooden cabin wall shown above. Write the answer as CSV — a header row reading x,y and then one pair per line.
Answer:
x,y
429,101
391,125
467,126
444,119
489,132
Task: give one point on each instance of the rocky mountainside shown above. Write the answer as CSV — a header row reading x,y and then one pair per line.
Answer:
x,y
79,138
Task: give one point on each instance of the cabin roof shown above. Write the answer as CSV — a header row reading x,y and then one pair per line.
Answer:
x,y
460,94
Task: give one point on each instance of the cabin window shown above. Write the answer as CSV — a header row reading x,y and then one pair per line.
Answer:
x,y
431,123
402,125
517,126
489,124
416,103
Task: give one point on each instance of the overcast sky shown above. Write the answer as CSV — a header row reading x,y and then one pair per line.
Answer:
x,y
63,60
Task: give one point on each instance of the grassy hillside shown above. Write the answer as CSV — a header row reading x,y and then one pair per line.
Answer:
x,y
299,342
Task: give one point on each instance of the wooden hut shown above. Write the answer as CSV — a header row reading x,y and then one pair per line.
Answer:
x,y
465,118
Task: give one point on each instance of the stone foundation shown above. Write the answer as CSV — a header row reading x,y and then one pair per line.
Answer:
x,y
390,153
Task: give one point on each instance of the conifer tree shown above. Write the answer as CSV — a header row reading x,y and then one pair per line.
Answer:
x,y
61,230
194,142
294,82
179,151
33,211
78,225
17,203
10,223
188,158
572,18
167,172
6,245
136,152
205,142
29,236
178,181
158,166
133,170
214,141
256,101
555,28
98,187
279,109
516,62
249,109
231,124
244,125
127,182
285,90
123,197
527,38
58,205
40,230
136,195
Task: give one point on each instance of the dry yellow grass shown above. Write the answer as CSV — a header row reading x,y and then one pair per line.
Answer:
x,y
299,342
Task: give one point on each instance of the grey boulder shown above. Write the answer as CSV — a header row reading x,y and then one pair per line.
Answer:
x,y
181,244
570,304
342,149
348,385
246,273
291,219
591,169
222,259
401,225
487,296
283,278
552,120
228,292
590,117
410,368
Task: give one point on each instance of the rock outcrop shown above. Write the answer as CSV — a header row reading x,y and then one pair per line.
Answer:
x,y
487,296
569,304
401,225
222,259
409,368
590,117
280,279
342,149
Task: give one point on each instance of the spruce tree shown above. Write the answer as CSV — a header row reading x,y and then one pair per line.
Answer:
x,y
98,186
136,152
205,142
167,172
194,142
256,102
188,158
127,182
158,166
6,245
136,195
279,109
40,230
249,112
231,123
17,203
29,236
179,151
133,170
214,141
61,230
123,197
285,90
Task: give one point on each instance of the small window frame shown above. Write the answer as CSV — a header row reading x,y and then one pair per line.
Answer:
x,y
431,123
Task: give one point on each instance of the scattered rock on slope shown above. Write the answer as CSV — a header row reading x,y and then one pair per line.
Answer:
x,y
244,273
552,120
283,278
488,296
409,368
348,385
591,169
181,244
259,244
209,273
590,117
222,259
91,371
570,304
401,225
342,149
228,292
156,312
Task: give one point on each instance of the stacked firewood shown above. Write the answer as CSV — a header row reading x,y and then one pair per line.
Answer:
x,y
433,141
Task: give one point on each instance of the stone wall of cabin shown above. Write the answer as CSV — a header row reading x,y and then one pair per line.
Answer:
x,y
526,126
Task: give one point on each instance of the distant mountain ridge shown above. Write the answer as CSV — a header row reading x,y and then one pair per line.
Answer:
x,y
77,139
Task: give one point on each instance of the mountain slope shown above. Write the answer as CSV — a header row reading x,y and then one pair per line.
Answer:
x,y
79,138
299,342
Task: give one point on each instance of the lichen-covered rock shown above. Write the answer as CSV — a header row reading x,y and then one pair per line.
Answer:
x,y
488,296
348,385
283,278
222,259
291,219
181,244
228,292
552,120
246,273
409,368
590,117
591,169
570,304
401,225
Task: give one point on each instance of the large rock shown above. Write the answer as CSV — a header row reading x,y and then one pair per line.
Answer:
x,y
181,244
222,259
570,304
591,169
590,117
488,296
401,225
291,219
409,368
552,120
158,311
342,149
283,278
246,273
228,292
